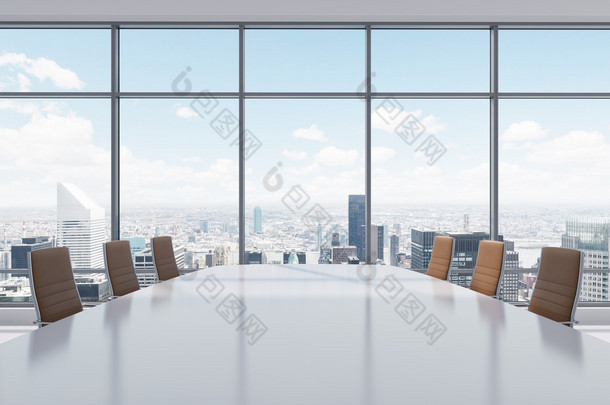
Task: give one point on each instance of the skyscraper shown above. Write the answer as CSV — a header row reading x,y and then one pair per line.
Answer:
x,y
19,253
342,254
466,248
394,246
136,245
592,237
377,232
80,226
5,261
421,248
203,226
255,257
325,254
356,212
336,241
258,220
143,264
382,237
465,254
386,236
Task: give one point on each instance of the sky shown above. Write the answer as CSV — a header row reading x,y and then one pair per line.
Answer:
x,y
551,151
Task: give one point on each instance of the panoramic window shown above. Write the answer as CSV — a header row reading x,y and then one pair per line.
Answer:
x,y
305,158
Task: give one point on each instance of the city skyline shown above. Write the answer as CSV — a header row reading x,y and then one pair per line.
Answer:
x,y
206,239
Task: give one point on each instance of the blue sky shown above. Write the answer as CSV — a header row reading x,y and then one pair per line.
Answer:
x,y
551,151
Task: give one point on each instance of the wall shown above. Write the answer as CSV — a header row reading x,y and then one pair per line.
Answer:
x,y
310,10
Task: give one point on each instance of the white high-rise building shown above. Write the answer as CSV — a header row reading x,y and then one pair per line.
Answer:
x,y
80,226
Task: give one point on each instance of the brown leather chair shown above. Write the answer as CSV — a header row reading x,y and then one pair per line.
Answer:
x,y
442,254
119,268
558,283
52,284
163,258
489,268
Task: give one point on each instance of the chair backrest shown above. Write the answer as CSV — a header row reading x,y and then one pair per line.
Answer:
x,y
163,258
440,260
119,268
52,284
489,268
558,283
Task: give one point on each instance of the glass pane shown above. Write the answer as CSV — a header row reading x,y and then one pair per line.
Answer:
x,y
304,60
300,179
54,60
553,171
430,60
55,175
554,60
179,177
430,176
181,60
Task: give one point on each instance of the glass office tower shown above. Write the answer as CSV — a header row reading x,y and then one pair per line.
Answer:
x,y
356,224
258,220
591,237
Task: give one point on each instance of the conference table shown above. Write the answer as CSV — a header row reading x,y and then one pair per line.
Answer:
x,y
304,334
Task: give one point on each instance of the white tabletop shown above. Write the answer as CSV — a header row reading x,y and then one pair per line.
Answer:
x,y
304,334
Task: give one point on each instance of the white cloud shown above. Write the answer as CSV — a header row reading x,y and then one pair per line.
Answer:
x,y
388,119
520,185
42,69
312,168
180,185
312,133
521,134
185,112
58,145
433,124
21,107
190,159
294,154
24,82
422,171
382,154
332,156
575,148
